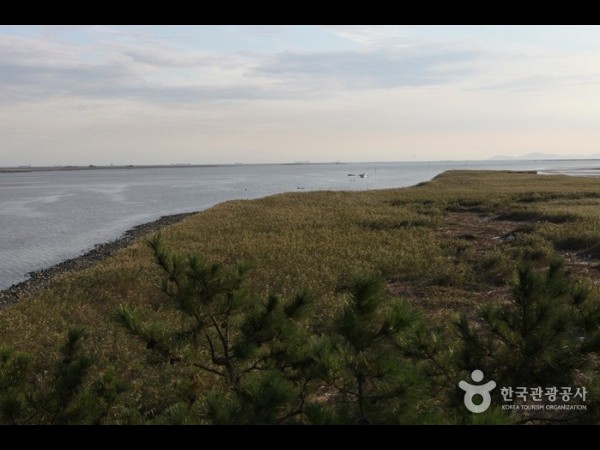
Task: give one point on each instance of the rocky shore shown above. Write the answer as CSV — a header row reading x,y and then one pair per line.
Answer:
x,y
39,279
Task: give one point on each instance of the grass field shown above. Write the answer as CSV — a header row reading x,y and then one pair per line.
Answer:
x,y
446,246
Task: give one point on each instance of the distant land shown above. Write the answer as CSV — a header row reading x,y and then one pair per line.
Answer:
x,y
94,167
529,156
543,156
21,169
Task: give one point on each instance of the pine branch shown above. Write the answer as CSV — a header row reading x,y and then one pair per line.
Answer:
x,y
211,347
221,337
209,369
254,366
300,409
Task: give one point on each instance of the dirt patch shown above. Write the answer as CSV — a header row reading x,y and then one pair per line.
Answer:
x,y
442,300
483,233
535,216
579,263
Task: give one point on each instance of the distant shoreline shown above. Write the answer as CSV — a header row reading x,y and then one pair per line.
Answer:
x,y
26,169
40,279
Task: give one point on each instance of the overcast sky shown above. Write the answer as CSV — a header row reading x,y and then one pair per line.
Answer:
x,y
252,94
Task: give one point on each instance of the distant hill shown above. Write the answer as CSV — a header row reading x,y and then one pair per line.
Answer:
x,y
538,155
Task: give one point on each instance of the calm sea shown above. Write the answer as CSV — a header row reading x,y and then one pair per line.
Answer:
x,y
47,217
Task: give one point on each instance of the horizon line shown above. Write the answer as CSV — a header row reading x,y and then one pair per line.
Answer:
x,y
26,168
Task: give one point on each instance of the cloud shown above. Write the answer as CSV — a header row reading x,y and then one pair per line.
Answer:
x,y
365,35
35,69
371,69
170,58
536,83
35,83
40,82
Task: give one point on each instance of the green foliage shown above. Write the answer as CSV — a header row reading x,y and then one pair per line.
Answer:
x,y
68,378
254,348
549,335
59,395
370,378
14,370
266,364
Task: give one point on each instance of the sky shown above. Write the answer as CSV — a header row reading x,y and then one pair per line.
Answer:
x,y
80,95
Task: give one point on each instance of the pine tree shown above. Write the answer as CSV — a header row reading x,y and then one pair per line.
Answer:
x,y
62,394
370,379
549,335
255,349
15,368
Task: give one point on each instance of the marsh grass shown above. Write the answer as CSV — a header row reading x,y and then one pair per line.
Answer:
x,y
316,241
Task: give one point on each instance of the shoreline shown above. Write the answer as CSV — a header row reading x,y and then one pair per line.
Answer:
x,y
40,279
29,169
